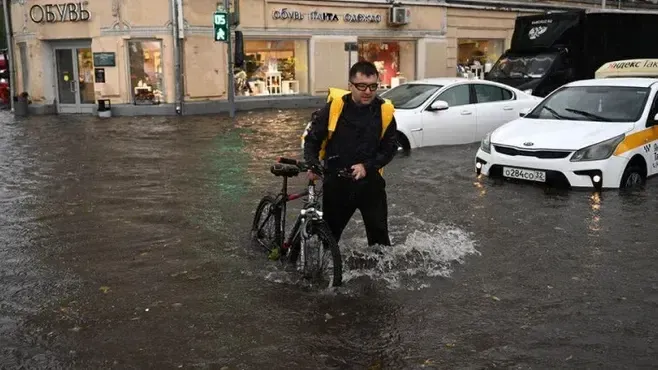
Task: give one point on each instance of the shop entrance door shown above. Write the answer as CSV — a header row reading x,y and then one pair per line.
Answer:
x,y
75,79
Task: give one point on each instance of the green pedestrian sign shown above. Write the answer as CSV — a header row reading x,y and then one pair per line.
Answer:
x,y
220,26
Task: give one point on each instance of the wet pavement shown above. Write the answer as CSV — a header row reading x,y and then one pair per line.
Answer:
x,y
123,245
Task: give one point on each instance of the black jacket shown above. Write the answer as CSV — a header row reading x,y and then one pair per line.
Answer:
x,y
356,138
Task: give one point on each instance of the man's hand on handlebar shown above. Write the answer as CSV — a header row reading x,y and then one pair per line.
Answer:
x,y
358,171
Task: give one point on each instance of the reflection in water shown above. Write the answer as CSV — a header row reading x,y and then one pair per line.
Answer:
x,y
478,185
229,164
595,203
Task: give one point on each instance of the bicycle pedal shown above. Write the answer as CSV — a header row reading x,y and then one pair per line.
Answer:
x,y
274,255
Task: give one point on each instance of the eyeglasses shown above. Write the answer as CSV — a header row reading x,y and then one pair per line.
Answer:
x,y
363,87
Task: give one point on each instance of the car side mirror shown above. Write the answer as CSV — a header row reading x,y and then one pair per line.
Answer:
x,y
524,112
439,105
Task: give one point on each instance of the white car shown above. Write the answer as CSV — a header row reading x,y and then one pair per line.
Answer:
x,y
449,111
446,111
600,133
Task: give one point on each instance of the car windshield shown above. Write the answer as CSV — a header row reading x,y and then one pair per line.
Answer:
x,y
517,66
410,96
593,103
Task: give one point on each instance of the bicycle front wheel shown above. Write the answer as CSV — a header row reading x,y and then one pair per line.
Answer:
x,y
266,226
320,258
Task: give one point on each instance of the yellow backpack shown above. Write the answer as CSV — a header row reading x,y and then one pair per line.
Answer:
x,y
335,97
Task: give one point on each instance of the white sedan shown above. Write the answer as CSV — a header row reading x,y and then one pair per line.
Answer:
x,y
449,111
600,133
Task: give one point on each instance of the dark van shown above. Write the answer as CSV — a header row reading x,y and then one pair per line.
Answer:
x,y
550,50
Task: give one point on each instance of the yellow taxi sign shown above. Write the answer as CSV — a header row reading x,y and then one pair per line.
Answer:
x,y
629,68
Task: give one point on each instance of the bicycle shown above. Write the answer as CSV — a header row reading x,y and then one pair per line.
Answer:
x,y
295,248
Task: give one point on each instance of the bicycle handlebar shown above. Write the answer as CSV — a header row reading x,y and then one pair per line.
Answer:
x,y
303,166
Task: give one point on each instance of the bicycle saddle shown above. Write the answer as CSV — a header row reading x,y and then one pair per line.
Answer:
x,y
285,170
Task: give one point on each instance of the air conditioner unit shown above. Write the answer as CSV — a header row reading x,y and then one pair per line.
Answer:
x,y
399,15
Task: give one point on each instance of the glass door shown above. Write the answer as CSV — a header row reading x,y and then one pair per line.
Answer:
x,y
67,101
85,68
75,80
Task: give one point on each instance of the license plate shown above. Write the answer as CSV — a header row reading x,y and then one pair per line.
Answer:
x,y
519,173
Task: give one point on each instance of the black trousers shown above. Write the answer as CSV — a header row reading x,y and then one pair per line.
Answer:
x,y
342,197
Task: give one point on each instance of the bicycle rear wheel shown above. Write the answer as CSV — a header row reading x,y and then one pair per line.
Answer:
x,y
266,226
320,262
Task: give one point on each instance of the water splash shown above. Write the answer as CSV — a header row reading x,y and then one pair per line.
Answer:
x,y
428,250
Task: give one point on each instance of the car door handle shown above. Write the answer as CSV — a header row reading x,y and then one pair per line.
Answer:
x,y
416,130
466,113
508,108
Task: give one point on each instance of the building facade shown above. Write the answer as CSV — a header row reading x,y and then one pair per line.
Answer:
x,y
313,37
68,56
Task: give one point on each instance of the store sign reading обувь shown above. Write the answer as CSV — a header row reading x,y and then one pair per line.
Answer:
x,y
67,12
295,15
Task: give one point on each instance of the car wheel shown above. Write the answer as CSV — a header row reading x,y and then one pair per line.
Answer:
x,y
404,147
634,177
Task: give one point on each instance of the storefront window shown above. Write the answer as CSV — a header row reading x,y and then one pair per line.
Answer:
x,y
273,67
395,60
86,75
146,71
483,53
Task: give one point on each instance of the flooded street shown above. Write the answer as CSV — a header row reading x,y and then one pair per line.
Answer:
x,y
123,244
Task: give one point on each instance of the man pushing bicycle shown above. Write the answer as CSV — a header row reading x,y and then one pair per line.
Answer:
x,y
358,132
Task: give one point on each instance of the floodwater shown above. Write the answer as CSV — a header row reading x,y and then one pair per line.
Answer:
x,y
123,244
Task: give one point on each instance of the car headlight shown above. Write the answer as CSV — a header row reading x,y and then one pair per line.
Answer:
x,y
485,145
598,151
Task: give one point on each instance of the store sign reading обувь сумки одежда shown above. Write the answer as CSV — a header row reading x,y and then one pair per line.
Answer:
x,y
66,12
296,15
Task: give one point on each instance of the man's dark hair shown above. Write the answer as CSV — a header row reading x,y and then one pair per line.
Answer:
x,y
365,68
